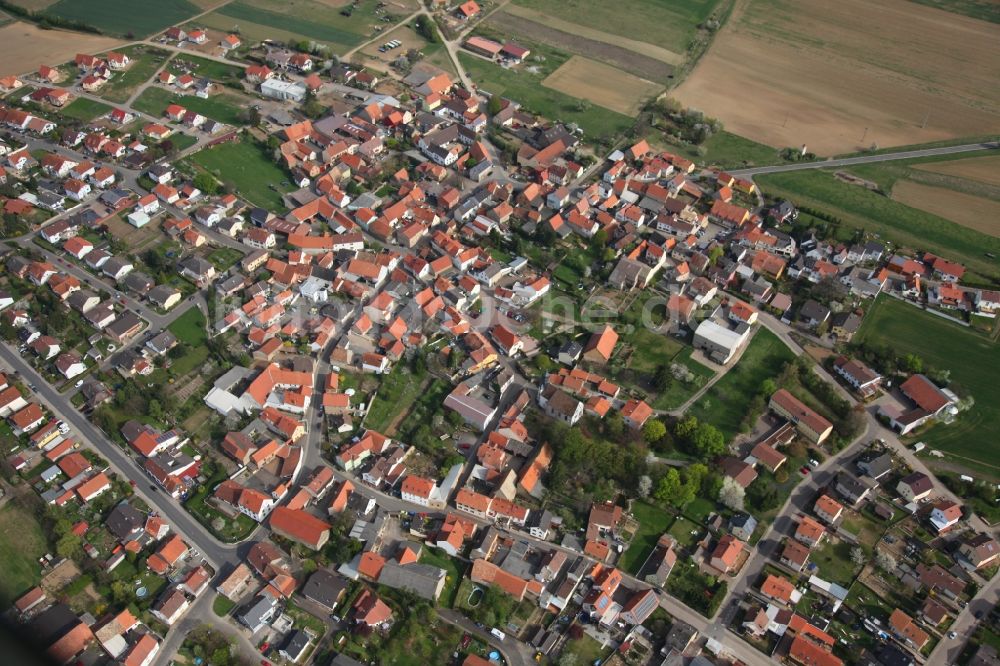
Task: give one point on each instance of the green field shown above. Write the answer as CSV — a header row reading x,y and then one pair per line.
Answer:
x,y
298,19
526,87
249,168
145,61
22,542
725,150
190,329
860,208
667,23
84,109
137,18
726,403
985,10
653,522
972,359
223,108
211,69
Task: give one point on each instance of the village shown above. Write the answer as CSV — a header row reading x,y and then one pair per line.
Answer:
x,y
327,365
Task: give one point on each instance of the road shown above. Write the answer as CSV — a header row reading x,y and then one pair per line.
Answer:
x,y
867,159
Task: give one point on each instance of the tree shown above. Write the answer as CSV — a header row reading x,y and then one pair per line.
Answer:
x,y
714,254
731,494
668,490
858,556
662,378
206,183
494,106
68,546
654,430
708,441
885,561
645,485
686,428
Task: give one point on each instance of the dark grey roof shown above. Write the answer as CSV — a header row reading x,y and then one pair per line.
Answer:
x,y
421,579
325,588
123,520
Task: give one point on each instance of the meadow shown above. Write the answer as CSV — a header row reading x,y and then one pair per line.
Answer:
x,y
135,18
249,169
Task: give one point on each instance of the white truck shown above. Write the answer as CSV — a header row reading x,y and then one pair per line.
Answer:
x,y
499,634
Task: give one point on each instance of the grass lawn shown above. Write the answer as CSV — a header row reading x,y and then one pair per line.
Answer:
x,y
396,395
526,88
145,61
678,391
190,327
725,150
682,531
725,404
972,359
834,562
182,141
893,221
22,542
84,109
453,567
137,18
211,69
586,650
224,257
699,509
250,169
223,108
235,530
653,522
221,606
862,599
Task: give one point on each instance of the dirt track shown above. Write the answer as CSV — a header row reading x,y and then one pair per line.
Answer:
x,y
822,72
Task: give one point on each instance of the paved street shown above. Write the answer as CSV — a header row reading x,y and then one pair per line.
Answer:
x,y
867,159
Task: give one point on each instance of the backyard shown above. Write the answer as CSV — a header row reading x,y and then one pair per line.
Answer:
x,y
653,522
84,109
223,108
22,542
727,403
249,169
860,208
190,330
971,358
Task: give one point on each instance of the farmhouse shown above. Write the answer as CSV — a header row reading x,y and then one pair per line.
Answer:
x,y
810,425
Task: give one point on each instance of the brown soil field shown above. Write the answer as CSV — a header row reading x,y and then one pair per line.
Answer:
x,y
642,48
827,74
622,57
980,169
601,84
967,210
34,5
27,46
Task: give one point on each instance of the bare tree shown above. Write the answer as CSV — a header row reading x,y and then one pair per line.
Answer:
x,y
885,561
858,556
645,485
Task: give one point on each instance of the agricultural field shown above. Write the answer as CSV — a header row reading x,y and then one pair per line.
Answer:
x,y
978,213
132,18
27,46
224,108
84,109
526,87
860,208
145,61
249,168
987,10
669,25
984,170
726,403
300,19
587,79
971,358
843,76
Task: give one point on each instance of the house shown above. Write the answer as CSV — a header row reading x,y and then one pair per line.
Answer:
x,y
742,526
904,629
635,413
325,589
859,376
719,342
915,487
809,424
810,532
795,555
980,550
874,464
726,555
945,515
169,608
261,611
828,509
371,611
852,488
780,589
600,346
299,526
